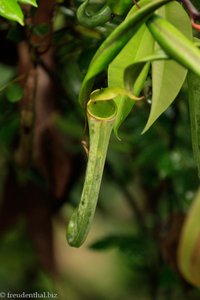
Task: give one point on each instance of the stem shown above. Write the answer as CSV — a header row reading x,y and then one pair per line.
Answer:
x,y
194,102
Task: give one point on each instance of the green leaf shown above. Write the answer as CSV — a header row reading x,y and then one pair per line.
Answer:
x,y
189,245
175,43
113,44
137,250
110,93
9,9
31,2
115,241
196,42
41,29
132,71
8,74
139,46
197,4
136,71
14,92
15,34
119,7
168,76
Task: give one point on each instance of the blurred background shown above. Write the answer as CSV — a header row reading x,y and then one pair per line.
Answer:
x,y
148,185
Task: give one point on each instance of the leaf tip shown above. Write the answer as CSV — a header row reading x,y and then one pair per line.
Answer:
x,y
21,22
116,132
146,128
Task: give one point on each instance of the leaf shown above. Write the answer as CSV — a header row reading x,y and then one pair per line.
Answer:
x,y
110,93
196,42
189,245
137,250
132,71
14,92
120,7
115,241
175,43
132,77
9,9
139,46
30,2
113,44
196,4
168,76
41,29
15,34
8,73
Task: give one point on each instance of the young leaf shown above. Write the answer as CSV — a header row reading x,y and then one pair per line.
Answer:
x,y
9,9
189,245
14,92
175,44
119,7
30,2
132,72
168,76
139,46
114,43
110,93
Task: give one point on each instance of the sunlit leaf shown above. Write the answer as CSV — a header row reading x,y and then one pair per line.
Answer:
x,y
113,45
119,7
31,2
9,9
168,76
139,46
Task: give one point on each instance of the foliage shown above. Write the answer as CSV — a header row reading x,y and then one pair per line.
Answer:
x,y
120,60
11,10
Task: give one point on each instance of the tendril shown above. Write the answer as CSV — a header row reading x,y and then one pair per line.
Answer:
x,y
90,18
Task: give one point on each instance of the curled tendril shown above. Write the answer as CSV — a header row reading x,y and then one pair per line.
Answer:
x,y
90,18
195,25
193,12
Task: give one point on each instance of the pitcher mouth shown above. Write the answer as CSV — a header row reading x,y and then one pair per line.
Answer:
x,y
104,110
